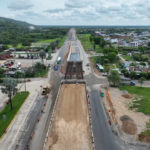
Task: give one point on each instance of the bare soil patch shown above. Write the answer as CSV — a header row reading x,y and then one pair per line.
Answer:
x,y
144,138
70,127
121,105
95,70
128,96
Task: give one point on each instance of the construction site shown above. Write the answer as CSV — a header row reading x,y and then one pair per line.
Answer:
x,y
70,128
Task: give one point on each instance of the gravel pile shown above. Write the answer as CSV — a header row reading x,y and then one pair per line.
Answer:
x,y
125,118
128,96
128,125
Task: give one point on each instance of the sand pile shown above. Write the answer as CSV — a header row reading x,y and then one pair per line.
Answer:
x,y
144,138
128,96
66,138
128,125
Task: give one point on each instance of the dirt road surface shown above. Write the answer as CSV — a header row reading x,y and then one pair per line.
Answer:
x,y
70,128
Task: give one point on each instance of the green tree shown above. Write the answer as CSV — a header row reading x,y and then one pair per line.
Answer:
x,y
143,63
107,69
9,87
97,40
18,75
141,80
106,61
91,38
114,78
112,57
133,75
136,57
123,70
143,74
1,74
106,51
142,49
127,74
94,46
42,55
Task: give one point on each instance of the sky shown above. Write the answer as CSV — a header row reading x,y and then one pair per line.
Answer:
x,y
78,12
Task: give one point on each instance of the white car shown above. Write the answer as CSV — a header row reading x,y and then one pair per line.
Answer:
x,y
105,74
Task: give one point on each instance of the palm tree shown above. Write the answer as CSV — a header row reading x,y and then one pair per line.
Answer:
x,y
42,55
9,86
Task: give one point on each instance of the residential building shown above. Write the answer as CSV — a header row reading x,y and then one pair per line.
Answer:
x,y
114,41
5,55
134,44
97,33
121,36
145,33
104,35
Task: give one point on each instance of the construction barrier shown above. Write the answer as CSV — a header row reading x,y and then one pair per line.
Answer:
x,y
32,136
39,119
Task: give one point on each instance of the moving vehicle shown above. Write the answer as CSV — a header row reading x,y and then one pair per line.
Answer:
x,y
105,74
100,67
127,81
47,89
56,67
58,60
49,65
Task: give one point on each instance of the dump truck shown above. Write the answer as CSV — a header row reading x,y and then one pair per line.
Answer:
x,y
47,89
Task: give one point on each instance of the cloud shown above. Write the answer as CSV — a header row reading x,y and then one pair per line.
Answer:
x,y
80,3
20,5
124,5
114,8
56,10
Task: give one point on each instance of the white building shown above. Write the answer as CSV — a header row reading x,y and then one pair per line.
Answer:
x,y
113,40
134,44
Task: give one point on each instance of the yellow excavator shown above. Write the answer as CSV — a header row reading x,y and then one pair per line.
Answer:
x,y
46,89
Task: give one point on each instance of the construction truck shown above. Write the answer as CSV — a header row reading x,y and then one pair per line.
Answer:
x,y
46,89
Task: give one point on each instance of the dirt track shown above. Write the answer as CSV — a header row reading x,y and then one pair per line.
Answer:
x,y
70,127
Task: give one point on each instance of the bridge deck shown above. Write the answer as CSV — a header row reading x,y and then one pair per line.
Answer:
x,y
70,127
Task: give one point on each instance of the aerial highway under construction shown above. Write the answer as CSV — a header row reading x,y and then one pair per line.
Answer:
x,y
75,118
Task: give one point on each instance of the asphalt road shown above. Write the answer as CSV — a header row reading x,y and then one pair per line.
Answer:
x,y
31,121
55,80
103,135
30,124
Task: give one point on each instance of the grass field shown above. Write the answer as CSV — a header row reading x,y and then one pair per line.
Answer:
x,y
62,41
17,102
127,58
84,38
143,104
147,131
48,40
43,73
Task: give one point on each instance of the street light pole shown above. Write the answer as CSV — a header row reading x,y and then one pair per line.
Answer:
x,y
24,81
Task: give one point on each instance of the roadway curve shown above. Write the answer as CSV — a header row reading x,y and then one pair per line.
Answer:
x,y
104,138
